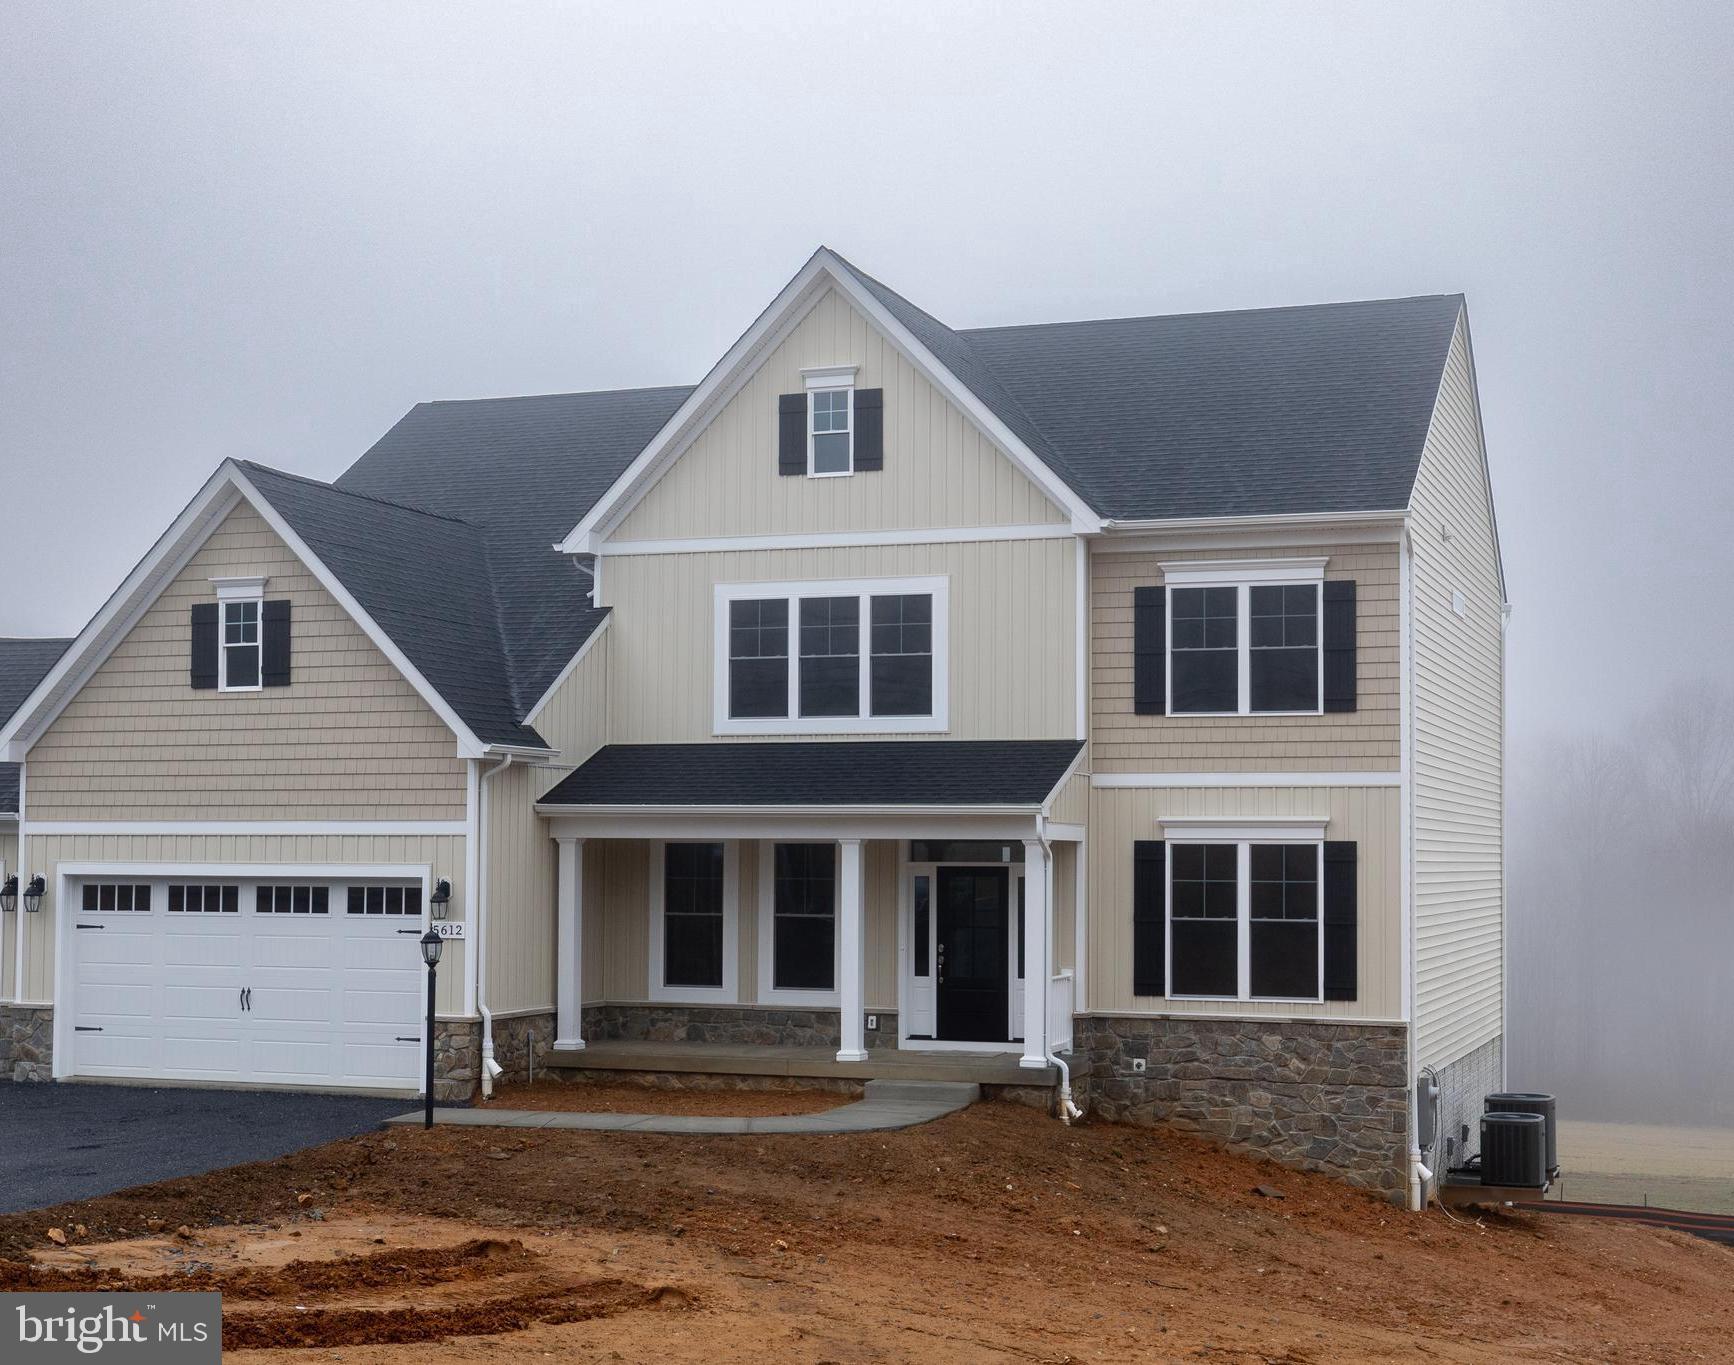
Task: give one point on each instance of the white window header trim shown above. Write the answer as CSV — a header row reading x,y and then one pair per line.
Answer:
x,y
830,377
1222,573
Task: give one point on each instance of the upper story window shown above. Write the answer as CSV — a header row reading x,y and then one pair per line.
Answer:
x,y
831,437
1245,639
831,657
238,663
240,642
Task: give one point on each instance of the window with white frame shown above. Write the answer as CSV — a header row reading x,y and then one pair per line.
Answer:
x,y
238,659
1244,638
829,657
1244,920
804,917
692,915
830,431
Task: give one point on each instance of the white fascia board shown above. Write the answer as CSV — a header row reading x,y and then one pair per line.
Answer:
x,y
1065,777
567,671
781,812
1164,781
1481,444
120,613
832,540
730,373
469,745
1114,527
1181,573
249,827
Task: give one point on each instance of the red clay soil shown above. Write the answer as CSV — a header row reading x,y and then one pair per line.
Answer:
x,y
601,1098
996,1233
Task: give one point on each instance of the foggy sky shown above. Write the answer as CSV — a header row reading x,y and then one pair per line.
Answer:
x,y
266,231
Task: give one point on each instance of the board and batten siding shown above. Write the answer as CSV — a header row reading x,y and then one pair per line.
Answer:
x,y
442,854
1367,739
616,927
1459,728
522,862
1371,816
348,739
1012,639
574,718
940,470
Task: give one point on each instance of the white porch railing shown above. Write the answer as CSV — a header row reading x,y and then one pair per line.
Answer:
x,y
1060,1003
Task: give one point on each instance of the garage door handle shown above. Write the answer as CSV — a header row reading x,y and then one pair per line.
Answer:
x,y
90,926
86,1028
409,931
402,1039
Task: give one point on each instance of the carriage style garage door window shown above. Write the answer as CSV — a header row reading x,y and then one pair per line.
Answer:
x,y
259,976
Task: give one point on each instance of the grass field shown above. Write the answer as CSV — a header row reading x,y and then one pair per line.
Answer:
x,y
1641,1163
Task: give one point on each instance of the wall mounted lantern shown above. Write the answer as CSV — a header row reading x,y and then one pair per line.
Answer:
x,y
441,900
9,895
34,893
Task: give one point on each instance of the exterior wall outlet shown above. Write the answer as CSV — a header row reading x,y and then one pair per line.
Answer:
x,y
873,1023
1138,1064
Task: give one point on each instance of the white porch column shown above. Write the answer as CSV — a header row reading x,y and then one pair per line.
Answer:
x,y
1037,880
569,946
852,960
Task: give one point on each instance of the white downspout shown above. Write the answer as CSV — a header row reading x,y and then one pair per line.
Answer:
x,y
1068,1109
489,1066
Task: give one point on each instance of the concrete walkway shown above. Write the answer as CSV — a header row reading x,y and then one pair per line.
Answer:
x,y
883,1105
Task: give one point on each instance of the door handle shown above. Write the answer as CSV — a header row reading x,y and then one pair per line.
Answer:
x,y
247,995
241,999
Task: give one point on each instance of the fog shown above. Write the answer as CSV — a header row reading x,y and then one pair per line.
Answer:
x,y
266,230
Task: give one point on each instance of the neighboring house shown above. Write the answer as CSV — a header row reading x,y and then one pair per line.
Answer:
x,y
1128,689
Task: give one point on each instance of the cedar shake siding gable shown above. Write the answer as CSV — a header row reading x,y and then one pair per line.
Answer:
x,y
349,739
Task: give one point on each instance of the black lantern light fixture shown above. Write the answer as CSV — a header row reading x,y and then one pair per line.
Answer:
x,y
34,893
441,900
9,895
431,944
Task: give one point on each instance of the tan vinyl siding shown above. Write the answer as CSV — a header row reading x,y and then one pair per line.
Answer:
x,y
522,859
349,739
442,854
8,868
939,469
1072,805
617,922
1367,815
574,719
1012,659
1459,722
1064,944
1367,739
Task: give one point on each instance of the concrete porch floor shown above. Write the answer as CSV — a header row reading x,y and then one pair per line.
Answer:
x,y
747,1059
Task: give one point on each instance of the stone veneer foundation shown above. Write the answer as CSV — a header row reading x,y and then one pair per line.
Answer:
x,y
26,1043
1317,1096
761,1025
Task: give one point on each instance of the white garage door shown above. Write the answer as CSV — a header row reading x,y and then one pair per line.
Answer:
x,y
248,982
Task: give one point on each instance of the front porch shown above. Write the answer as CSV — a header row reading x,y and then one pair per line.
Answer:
x,y
922,925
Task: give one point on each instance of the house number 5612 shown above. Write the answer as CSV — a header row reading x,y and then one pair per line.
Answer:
x,y
453,928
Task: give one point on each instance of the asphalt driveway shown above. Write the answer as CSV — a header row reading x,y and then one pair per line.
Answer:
x,y
62,1142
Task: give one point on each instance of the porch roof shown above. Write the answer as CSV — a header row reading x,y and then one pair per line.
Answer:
x,y
824,775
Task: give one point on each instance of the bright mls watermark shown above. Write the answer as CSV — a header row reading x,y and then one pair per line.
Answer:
x,y
145,1329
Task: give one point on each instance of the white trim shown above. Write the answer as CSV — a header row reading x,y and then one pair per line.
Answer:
x,y
769,995
569,944
1272,537
1262,829
1406,802
1122,525
937,588
239,589
566,672
1111,781
1060,833
848,391
851,917
822,271
830,376
1346,1020
1232,573
1081,609
332,827
728,993
238,598
472,867
831,540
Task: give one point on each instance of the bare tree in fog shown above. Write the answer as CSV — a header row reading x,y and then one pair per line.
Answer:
x,y
1621,859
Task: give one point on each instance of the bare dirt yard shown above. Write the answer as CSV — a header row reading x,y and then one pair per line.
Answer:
x,y
993,1234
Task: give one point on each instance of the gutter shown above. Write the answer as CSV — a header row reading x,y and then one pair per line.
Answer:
x,y
1114,524
1068,1110
489,1066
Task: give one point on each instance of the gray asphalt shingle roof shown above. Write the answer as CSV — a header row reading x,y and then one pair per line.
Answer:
x,y
23,664
985,772
444,529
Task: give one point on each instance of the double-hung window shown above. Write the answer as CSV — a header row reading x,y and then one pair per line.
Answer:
x,y
1245,915
831,657
239,657
830,431
1244,638
798,923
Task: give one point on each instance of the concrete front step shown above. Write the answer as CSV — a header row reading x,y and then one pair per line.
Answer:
x,y
955,1093
743,1059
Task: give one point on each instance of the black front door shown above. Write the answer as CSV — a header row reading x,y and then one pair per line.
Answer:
x,y
972,954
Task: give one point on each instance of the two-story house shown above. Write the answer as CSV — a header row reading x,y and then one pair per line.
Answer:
x,y
1120,696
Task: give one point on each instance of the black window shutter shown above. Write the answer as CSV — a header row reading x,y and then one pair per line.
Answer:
x,y
1149,872
792,434
1339,640
204,653
1342,970
869,429
274,661
1149,650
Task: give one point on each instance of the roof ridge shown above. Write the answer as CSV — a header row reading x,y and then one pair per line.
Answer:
x,y
351,493
1203,313
573,393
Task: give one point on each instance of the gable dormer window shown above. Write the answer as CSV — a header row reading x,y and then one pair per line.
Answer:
x,y
831,428
240,661
830,438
